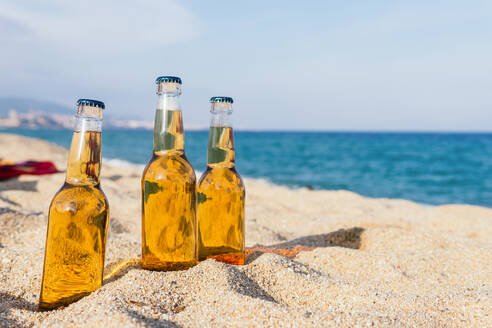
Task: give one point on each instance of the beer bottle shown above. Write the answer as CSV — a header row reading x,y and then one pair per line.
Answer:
x,y
221,193
168,189
78,217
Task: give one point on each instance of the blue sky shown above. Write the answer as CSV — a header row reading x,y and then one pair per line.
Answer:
x,y
315,65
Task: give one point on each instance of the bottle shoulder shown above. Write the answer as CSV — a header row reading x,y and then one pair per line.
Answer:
x,y
76,197
222,177
169,167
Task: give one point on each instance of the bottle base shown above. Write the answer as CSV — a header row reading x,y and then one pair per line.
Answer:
x,y
223,254
48,306
168,266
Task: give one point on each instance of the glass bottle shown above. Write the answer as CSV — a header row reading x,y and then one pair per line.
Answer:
x,y
168,189
221,192
78,217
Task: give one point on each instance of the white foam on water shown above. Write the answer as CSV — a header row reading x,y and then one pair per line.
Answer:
x,y
120,163
116,162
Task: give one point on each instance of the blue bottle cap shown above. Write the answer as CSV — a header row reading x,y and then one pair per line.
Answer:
x,y
169,79
222,100
90,102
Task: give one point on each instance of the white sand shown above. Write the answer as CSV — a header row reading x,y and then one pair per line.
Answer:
x,y
395,263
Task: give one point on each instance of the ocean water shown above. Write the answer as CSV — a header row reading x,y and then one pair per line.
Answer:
x,y
430,168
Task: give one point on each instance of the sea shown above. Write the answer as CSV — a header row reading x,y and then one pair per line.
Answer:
x,y
429,168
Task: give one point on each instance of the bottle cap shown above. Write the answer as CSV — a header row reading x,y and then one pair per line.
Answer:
x,y
90,102
168,79
221,100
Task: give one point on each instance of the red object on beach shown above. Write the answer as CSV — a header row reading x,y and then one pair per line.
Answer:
x,y
29,167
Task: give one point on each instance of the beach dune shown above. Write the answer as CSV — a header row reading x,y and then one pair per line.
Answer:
x,y
315,258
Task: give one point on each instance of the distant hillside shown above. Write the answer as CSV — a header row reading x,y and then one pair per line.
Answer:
x,y
26,105
32,113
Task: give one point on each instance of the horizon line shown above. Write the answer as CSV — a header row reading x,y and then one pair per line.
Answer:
x,y
275,130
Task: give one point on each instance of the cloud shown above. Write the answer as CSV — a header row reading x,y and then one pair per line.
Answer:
x,y
96,27
11,30
58,49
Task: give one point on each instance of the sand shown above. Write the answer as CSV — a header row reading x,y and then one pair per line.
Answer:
x,y
360,262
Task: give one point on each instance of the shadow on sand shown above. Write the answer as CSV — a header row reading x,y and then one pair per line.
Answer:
x,y
7,302
151,322
349,238
15,184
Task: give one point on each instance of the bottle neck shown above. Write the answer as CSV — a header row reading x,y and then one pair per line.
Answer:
x,y
84,161
221,138
168,127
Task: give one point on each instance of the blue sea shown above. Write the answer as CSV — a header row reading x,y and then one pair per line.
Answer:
x,y
430,168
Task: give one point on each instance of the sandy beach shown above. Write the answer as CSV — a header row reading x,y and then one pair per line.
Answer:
x,y
317,258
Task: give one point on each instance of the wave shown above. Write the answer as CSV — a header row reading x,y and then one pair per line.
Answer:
x,y
120,163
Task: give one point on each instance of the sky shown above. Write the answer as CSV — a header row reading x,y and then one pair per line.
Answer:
x,y
310,65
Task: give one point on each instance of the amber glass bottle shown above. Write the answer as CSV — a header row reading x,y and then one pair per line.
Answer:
x,y
221,192
78,217
168,189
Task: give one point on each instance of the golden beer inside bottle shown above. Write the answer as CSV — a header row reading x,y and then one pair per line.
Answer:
x,y
78,218
220,199
168,200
